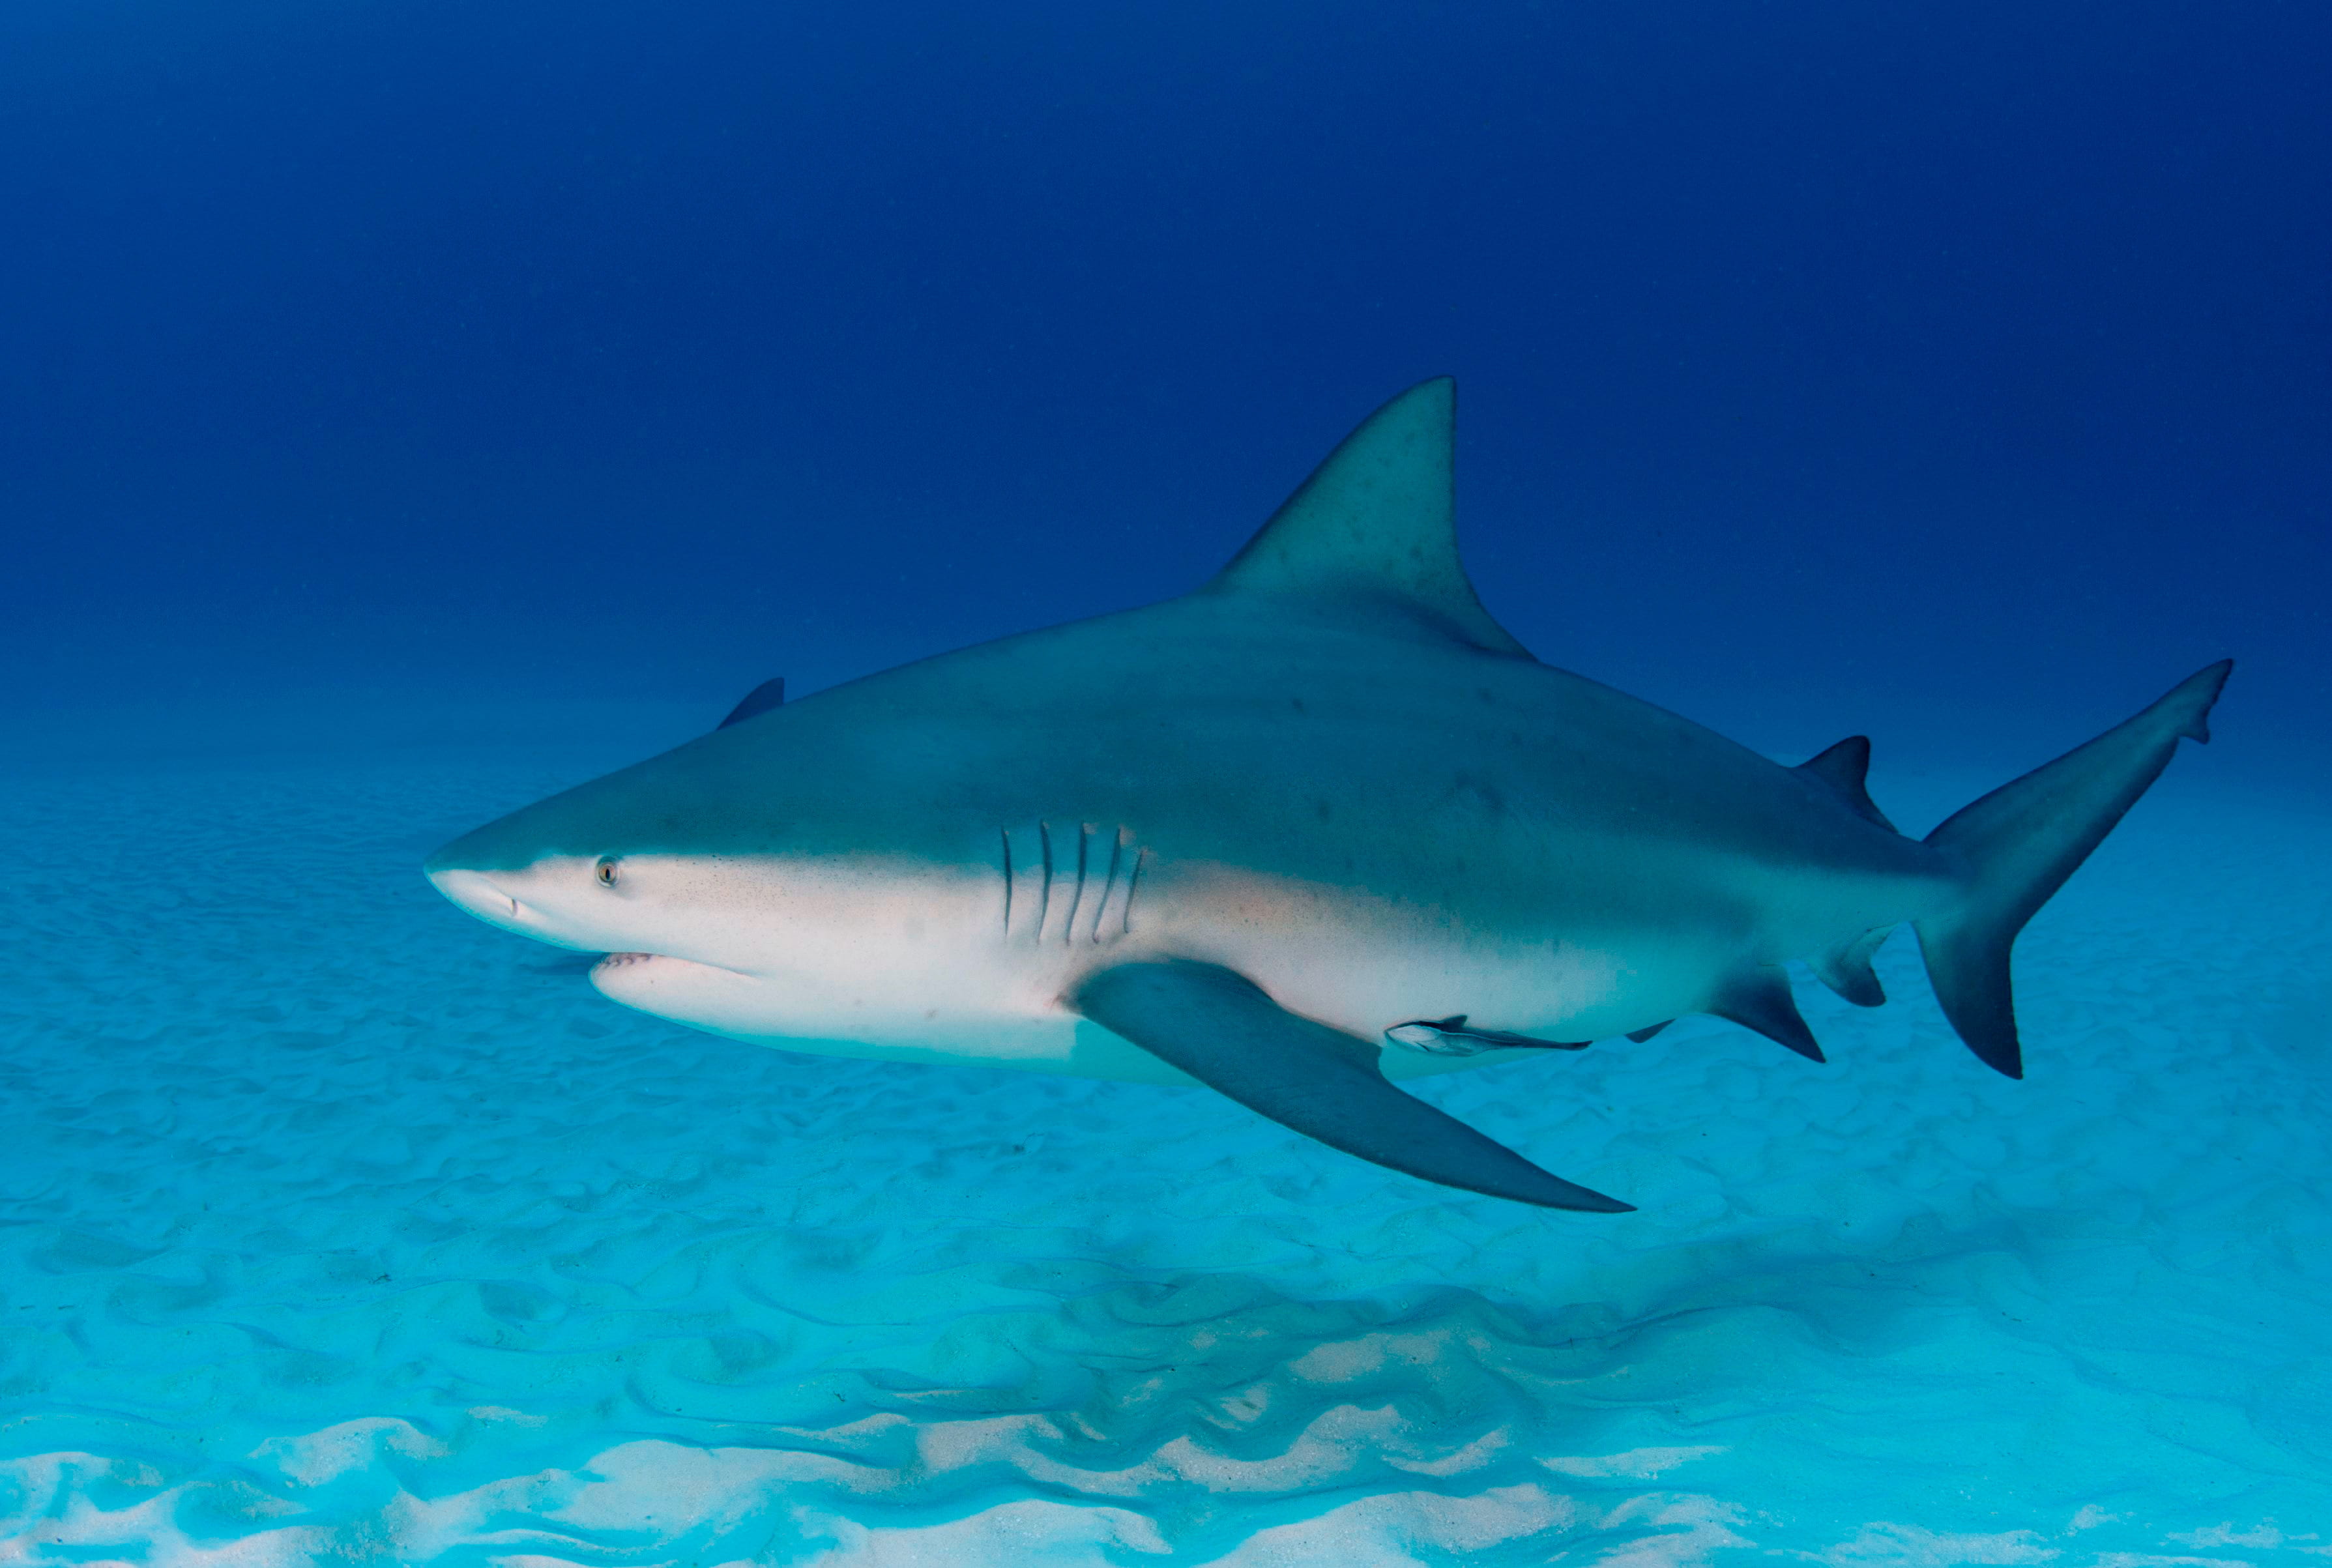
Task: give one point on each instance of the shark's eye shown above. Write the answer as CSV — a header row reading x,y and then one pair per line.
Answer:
x,y
607,870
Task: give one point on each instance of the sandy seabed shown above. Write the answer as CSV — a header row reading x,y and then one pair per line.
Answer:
x,y
337,1227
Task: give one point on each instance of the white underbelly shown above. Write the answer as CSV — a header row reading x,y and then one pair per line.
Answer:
x,y
1055,1041
958,990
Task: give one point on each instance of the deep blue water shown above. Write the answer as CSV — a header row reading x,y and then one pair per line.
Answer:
x,y
409,408
1942,356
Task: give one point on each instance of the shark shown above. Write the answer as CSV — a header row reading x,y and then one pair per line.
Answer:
x,y
1316,828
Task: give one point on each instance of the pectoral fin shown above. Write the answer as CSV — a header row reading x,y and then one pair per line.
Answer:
x,y
1221,1029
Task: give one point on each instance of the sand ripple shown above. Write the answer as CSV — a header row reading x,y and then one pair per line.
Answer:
x,y
333,1225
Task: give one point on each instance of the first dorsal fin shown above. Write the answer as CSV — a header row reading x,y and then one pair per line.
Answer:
x,y
771,694
1844,768
1377,522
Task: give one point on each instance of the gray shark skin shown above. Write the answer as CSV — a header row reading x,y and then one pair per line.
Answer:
x,y
1236,838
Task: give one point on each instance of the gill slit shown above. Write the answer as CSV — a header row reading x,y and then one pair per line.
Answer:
x,y
1109,882
1077,897
1045,889
1006,835
1132,886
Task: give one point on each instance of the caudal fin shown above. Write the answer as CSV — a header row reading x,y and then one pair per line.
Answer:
x,y
2020,842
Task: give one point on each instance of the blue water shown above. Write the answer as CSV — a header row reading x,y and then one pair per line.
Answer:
x,y
409,409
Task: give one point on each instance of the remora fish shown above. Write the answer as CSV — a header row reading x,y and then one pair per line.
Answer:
x,y
1247,835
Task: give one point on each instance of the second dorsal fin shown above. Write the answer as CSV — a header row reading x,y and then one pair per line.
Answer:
x,y
1377,522
1844,768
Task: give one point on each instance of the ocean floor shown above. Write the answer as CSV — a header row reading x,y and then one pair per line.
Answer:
x,y
334,1226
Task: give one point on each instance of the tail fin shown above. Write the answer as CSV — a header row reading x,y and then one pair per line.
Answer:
x,y
2022,841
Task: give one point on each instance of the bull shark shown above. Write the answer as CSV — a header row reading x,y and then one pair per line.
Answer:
x,y
1318,826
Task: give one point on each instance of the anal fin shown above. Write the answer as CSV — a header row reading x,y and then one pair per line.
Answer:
x,y
1846,969
1219,1028
1759,999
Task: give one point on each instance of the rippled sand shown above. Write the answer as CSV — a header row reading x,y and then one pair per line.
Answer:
x,y
336,1226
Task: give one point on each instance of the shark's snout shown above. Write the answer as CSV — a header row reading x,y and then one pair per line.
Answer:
x,y
565,900
487,897
473,891
493,875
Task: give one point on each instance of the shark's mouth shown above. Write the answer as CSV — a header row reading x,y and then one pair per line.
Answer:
x,y
682,990
663,965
